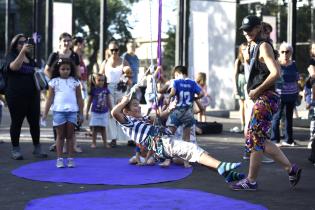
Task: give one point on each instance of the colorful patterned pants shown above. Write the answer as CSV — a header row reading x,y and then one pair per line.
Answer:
x,y
259,126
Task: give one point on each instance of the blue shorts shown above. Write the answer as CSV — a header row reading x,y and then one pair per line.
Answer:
x,y
181,116
60,118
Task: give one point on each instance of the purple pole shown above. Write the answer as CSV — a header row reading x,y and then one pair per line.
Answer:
x,y
159,56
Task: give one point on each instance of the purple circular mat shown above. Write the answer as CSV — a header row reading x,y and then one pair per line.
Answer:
x,y
113,171
141,198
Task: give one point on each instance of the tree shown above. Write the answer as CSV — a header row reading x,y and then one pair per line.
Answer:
x,y
87,19
169,50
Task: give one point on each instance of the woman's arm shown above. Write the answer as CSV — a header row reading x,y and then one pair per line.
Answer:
x,y
267,56
102,68
79,101
88,107
236,75
48,71
18,61
49,100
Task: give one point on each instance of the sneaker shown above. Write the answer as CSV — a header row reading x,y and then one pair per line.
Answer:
x,y
295,175
77,149
70,163
244,184
309,146
16,154
267,160
38,152
52,148
288,144
59,163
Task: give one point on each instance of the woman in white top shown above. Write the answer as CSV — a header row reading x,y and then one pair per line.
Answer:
x,y
115,69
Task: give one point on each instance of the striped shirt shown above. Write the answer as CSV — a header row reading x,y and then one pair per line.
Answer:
x,y
140,129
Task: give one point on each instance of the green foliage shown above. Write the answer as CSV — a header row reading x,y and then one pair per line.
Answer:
x,y
169,50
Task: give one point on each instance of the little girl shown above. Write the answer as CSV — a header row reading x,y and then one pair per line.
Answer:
x,y
205,100
65,95
101,105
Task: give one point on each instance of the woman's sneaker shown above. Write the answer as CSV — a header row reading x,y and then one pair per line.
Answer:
x,y
60,163
70,163
244,184
16,154
295,175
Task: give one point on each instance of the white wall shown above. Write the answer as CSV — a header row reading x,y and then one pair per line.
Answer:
x,y
211,47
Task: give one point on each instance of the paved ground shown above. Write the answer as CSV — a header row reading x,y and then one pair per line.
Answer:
x,y
274,191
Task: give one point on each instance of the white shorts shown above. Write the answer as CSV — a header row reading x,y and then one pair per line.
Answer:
x,y
181,149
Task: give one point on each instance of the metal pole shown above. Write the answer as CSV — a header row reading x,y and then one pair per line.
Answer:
x,y
48,28
291,36
7,23
179,34
312,20
103,27
185,31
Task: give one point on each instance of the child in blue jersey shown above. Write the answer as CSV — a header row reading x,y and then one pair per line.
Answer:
x,y
186,92
101,105
160,141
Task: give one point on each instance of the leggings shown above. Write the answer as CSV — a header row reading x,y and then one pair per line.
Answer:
x,y
19,108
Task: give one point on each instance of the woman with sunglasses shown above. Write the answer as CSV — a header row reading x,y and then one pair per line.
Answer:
x,y
22,96
114,69
287,88
261,89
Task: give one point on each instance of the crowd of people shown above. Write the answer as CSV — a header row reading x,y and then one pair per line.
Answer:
x,y
266,86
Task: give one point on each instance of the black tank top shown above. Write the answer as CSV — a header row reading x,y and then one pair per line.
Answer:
x,y
259,72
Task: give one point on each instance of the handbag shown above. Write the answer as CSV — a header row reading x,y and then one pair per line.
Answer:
x,y
3,78
40,80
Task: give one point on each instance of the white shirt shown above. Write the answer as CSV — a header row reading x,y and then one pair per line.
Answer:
x,y
113,74
65,94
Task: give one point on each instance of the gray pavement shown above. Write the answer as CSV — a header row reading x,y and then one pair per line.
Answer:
x,y
274,191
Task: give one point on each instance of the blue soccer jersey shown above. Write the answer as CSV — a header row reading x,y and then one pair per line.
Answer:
x,y
185,91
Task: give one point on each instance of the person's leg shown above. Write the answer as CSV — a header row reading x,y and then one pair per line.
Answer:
x,y
273,151
289,122
103,134
275,132
94,136
242,113
60,131
70,138
186,137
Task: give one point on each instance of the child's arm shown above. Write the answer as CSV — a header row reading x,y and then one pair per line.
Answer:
x,y
88,106
49,100
117,111
80,102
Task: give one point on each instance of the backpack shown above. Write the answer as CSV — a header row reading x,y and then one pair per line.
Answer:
x,y
3,77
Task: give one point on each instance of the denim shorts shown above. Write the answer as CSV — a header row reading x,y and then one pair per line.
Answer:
x,y
60,118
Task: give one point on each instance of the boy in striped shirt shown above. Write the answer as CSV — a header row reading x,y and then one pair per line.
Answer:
x,y
160,140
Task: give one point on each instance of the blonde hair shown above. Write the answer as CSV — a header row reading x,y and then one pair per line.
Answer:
x,y
201,78
287,46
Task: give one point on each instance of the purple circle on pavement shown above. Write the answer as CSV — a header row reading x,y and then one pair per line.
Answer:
x,y
111,171
141,198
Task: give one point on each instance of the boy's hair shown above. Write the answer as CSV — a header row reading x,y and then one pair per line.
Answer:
x,y
181,70
60,62
133,97
64,35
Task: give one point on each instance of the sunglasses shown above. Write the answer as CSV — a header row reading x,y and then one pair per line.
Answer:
x,y
66,69
114,50
285,52
101,80
21,42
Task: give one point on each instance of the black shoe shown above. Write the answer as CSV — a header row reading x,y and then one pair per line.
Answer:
x,y
131,144
38,152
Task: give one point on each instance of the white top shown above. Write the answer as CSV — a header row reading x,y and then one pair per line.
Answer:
x,y
65,94
113,74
